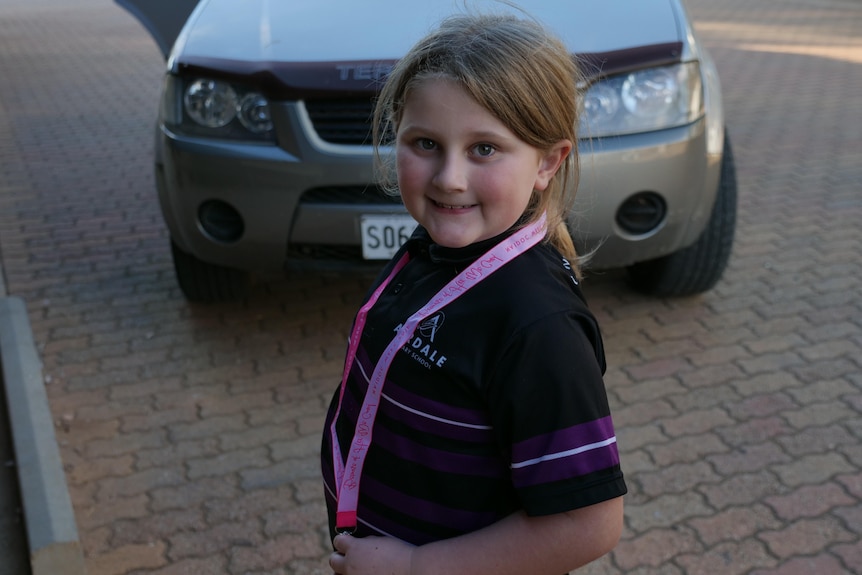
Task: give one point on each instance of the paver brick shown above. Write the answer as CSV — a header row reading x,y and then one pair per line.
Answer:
x,y
228,463
637,462
190,494
819,414
76,434
127,443
677,478
250,504
850,554
203,566
812,372
299,519
735,524
642,413
658,368
715,395
709,376
274,552
748,458
742,489
81,471
649,390
113,410
809,501
667,510
754,431
655,548
156,527
812,469
176,453
773,382
104,511
852,517
210,427
687,449
631,438
718,355
736,558
806,537
770,362
694,422
215,540
818,440
283,472
124,559
158,419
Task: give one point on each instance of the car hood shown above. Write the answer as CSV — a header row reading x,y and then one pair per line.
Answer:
x,y
329,30
334,30
293,48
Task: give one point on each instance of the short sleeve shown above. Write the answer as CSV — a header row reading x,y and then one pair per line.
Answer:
x,y
550,411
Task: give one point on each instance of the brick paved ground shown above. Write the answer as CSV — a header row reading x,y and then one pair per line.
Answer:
x,y
189,434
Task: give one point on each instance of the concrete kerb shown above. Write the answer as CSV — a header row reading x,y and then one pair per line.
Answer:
x,y
50,520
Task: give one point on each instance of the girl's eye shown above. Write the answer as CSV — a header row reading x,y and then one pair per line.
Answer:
x,y
426,144
484,150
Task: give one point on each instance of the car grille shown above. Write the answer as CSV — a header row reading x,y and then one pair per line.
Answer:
x,y
342,120
348,195
356,195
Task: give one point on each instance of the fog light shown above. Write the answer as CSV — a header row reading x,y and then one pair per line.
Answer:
x,y
642,213
221,221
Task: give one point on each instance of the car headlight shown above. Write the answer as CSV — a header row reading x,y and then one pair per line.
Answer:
x,y
210,103
642,101
219,109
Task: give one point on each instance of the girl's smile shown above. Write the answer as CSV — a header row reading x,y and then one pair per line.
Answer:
x,y
463,175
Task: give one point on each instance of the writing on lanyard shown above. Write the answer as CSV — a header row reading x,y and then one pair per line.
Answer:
x,y
349,472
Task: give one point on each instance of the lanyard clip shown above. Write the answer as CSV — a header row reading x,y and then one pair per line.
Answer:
x,y
345,531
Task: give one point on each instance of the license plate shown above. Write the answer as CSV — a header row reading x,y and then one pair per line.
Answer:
x,y
382,235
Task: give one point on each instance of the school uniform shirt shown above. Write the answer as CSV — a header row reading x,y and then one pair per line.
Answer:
x,y
496,403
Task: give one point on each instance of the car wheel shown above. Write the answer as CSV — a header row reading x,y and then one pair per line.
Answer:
x,y
205,282
697,268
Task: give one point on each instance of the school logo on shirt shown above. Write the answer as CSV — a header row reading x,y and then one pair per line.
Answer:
x,y
429,327
420,347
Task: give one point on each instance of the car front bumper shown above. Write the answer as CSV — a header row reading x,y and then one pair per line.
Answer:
x,y
265,185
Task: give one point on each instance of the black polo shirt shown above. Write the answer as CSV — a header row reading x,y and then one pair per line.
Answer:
x,y
495,404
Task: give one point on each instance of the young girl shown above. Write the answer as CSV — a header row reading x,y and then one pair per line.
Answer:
x,y
471,433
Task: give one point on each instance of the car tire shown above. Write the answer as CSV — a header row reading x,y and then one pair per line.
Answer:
x,y
205,282
697,268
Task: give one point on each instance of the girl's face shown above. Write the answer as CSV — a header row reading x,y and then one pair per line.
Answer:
x,y
463,175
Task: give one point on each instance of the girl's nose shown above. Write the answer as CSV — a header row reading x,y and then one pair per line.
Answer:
x,y
451,173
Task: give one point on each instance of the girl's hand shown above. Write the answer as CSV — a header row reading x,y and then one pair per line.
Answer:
x,y
370,556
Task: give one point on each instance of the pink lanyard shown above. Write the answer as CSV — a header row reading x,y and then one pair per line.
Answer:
x,y
347,474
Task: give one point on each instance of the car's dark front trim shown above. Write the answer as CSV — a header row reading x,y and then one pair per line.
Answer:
x,y
346,79
294,80
605,64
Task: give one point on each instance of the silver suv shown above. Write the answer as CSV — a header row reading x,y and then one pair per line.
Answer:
x,y
263,152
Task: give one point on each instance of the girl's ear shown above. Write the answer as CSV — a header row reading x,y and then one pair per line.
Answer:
x,y
550,161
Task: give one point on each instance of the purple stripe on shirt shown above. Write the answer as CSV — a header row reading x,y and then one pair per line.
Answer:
x,y
433,417
572,452
442,460
567,467
431,422
563,440
422,509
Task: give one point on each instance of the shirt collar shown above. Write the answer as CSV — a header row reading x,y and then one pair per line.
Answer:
x,y
421,245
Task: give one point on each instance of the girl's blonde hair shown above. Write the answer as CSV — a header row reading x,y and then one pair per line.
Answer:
x,y
518,71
